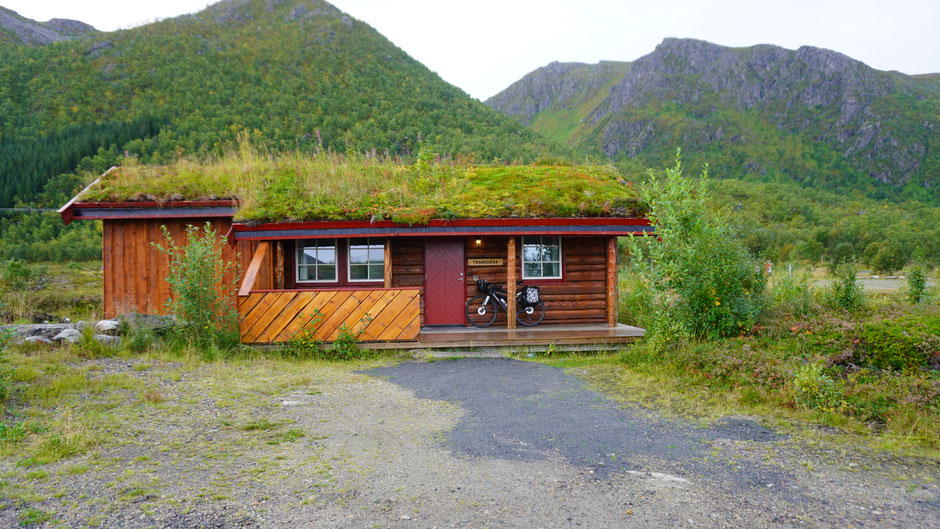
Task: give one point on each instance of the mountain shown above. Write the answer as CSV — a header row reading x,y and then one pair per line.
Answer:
x,y
764,113
289,74
21,30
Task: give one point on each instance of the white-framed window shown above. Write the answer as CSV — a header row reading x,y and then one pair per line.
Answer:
x,y
541,258
366,260
316,261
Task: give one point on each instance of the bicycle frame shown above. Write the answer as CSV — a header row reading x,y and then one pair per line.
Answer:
x,y
500,298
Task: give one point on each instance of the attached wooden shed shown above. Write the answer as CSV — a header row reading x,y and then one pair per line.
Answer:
x,y
395,281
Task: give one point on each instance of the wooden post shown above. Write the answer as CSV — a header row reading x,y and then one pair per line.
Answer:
x,y
388,262
279,265
511,283
612,285
251,274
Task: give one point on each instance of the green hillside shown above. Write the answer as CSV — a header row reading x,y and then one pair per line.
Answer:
x,y
763,113
295,75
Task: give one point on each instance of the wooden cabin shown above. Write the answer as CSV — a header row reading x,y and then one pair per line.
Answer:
x,y
396,282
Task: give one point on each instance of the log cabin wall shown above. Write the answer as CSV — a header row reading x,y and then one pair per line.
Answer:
x,y
408,266
580,297
134,270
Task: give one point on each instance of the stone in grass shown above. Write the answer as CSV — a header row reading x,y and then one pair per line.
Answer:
x,y
68,335
108,340
110,327
38,339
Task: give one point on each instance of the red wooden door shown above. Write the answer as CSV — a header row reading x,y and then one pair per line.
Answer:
x,y
445,292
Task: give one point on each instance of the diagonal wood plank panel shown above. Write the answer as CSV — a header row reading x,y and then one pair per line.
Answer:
x,y
383,314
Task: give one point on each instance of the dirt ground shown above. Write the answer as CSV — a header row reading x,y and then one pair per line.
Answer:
x,y
458,443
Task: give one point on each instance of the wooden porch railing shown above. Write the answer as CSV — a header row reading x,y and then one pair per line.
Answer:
x,y
392,314
276,316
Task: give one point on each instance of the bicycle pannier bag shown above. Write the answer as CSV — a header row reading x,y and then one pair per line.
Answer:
x,y
530,295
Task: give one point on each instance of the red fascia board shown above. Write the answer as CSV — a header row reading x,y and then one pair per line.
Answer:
x,y
440,223
154,204
474,233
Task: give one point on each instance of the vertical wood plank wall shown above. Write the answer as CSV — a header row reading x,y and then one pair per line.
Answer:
x,y
580,298
134,270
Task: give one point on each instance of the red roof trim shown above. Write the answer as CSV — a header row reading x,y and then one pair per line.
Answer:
x,y
442,223
153,204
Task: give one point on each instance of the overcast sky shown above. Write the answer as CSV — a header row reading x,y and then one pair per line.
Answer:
x,y
483,46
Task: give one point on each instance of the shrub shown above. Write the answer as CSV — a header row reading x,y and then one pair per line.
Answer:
x,y
815,389
916,283
904,344
792,297
701,275
19,283
346,346
5,374
846,293
202,286
17,276
305,343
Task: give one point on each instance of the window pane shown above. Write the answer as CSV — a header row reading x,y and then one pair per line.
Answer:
x,y
531,240
377,272
358,241
376,254
326,272
358,272
532,270
552,253
304,274
530,253
326,255
550,270
358,255
309,256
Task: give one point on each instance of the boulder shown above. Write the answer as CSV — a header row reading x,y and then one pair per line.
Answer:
x,y
38,339
110,327
44,330
68,335
108,340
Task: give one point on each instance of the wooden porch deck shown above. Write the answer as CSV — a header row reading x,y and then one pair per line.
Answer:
x,y
581,336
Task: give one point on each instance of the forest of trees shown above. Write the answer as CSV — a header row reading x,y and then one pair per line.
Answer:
x,y
191,84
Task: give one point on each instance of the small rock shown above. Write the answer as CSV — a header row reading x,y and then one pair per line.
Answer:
x,y
293,403
68,335
406,517
108,340
38,339
110,327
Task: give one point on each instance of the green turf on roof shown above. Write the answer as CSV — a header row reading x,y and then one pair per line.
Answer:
x,y
333,187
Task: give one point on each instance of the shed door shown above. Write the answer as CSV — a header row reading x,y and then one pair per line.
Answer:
x,y
445,292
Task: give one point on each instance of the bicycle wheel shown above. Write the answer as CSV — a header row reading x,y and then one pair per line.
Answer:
x,y
481,311
531,315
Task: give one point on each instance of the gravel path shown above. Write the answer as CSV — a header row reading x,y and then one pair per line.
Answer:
x,y
471,443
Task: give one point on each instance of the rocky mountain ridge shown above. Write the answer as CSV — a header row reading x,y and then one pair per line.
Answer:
x,y
22,30
833,115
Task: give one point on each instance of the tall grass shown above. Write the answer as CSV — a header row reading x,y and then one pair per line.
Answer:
x,y
330,186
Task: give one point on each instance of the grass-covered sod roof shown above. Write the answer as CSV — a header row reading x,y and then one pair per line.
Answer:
x,y
333,187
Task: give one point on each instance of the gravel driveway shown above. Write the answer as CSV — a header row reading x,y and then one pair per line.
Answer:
x,y
469,443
